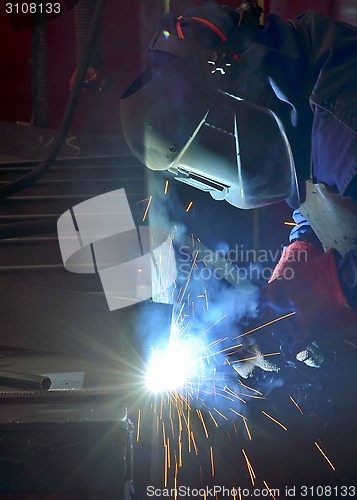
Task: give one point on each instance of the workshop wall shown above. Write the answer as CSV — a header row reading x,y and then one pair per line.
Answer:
x,y
127,30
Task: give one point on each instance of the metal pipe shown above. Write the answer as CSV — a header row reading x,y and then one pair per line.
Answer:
x,y
25,380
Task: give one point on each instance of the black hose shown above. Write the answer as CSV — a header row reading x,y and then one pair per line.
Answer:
x,y
36,173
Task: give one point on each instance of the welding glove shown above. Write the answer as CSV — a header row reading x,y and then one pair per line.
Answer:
x,y
305,282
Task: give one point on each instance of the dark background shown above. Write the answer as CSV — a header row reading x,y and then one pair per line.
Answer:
x,y
327,397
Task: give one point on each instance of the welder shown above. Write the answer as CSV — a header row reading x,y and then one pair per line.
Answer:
x,y
256,115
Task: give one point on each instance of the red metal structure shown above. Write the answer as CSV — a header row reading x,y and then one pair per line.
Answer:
x,y
126,31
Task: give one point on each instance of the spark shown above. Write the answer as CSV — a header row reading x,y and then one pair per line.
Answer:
x,y
221,414
239,414
290,223
175,487
165,467
212,461
247,429
188,428
250,468
189,276
163,433
252,396
273,419
297,406
168,452
214,343
180,450
161,407
264,325
147,208
189,206
325,456
256,357
203,422
166,186
172,428
212,417
236,395
267,487
215,323
138,428
250,388
194,443
222,350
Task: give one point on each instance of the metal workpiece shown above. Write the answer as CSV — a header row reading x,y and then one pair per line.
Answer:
x,y
77,432
25,380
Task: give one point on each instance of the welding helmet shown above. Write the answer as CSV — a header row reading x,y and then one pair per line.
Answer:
x,y
176,120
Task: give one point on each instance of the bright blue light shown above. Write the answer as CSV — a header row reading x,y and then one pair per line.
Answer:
x,y
171,369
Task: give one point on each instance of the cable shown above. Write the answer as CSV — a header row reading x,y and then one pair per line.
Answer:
x,y
44,165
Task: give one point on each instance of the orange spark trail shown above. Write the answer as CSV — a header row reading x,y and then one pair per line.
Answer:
x,y
147,208
189,206
250,468
256,357
325,456
203,422
166,187
238,413
265,324
297,406
247,429
267,487
290,223
212,461
222,350
189,276
163,433
138,429
194,443
250,388
219,413
168,452
165,467
276,421
212,417
208,329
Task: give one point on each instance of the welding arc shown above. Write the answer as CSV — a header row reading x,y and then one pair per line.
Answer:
x,y
44,165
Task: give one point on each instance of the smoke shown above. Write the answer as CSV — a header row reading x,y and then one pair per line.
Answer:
x,y
208,312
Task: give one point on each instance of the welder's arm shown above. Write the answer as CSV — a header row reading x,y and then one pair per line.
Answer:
x,y
314,291
305,282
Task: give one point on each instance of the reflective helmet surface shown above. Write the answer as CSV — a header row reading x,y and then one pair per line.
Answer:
x,y
176,120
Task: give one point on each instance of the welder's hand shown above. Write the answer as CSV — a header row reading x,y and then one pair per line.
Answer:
x,y
306,294
250,357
